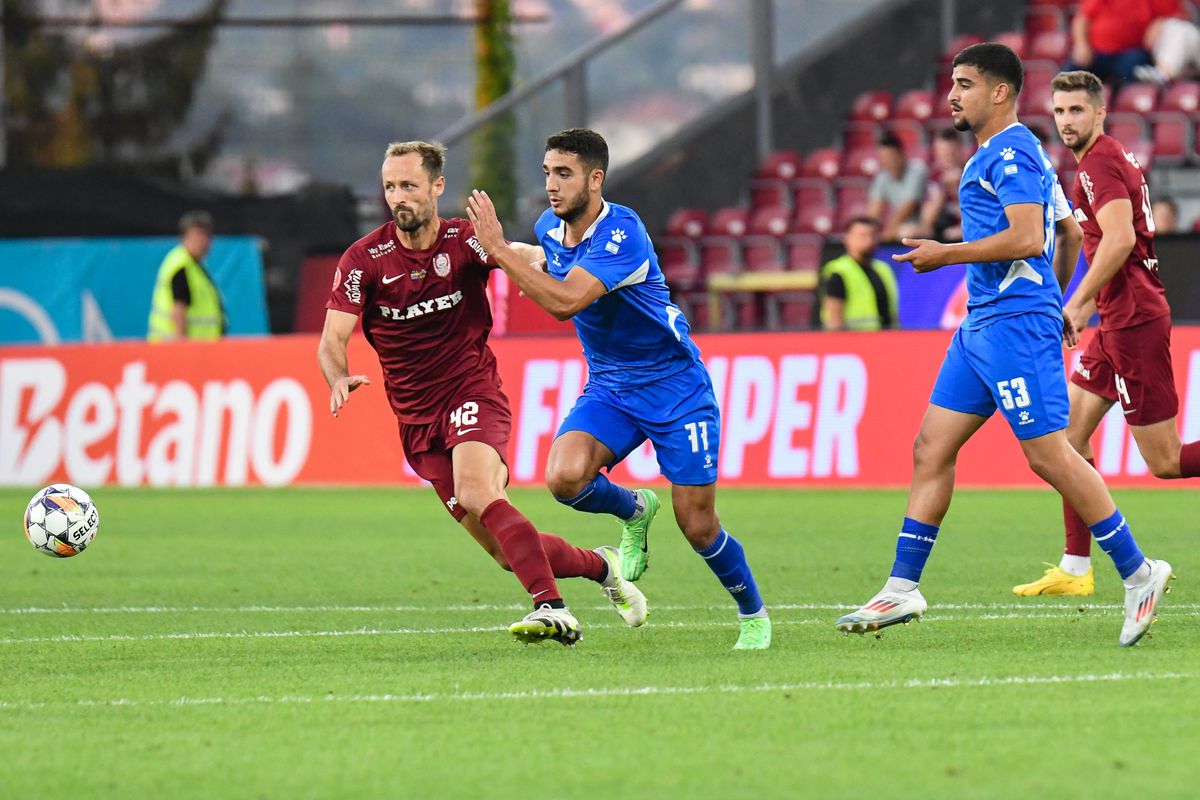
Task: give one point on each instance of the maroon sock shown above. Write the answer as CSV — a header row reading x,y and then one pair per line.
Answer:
x,y
569,561
522,548
1189,460
1079,536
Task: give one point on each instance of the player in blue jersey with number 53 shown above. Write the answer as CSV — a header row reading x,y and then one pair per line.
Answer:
x,y
645,381
1007,354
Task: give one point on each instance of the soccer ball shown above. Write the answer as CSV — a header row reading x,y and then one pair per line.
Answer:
x,y
61,520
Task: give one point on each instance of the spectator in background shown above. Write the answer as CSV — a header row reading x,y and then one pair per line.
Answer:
x,y
1165,214
896,192
941,218
1109,37
1174,45
858,291
186,303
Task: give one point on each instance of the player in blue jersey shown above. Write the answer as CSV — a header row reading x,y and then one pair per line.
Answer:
x,y
1007,354
646,379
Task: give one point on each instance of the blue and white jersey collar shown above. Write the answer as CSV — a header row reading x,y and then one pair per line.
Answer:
x,y
557,234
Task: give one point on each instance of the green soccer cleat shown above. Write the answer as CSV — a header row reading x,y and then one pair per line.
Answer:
x,y
635,538
544,622
755,635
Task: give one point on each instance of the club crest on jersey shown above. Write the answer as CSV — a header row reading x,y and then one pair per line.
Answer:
x,y
441,265
337,277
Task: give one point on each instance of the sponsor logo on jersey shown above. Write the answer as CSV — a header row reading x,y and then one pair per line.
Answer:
x,y
382,250
1084,371
441,265
422,307
353,286
1026,418
1131,158
417,274
474,244
1079,214
1085,181
1008,154
451,232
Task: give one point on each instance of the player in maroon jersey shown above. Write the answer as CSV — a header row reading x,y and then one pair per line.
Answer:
x,y
418,283
1129,358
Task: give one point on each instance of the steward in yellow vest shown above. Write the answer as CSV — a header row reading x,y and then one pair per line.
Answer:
x,y
186,303
859,293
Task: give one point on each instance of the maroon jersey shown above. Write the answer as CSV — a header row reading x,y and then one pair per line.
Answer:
x,y
425,312
1135,294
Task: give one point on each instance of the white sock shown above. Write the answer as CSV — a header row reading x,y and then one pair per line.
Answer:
x,y
1075,565
610,580
1140,576
895,584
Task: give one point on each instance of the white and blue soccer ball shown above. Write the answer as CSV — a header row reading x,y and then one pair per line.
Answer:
x,y
61,520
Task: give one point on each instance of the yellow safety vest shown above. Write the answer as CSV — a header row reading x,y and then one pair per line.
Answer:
x,y
861,312
205,314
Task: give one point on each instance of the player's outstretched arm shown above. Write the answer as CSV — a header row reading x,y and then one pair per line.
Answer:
x,y
563,299
1025,237
331,355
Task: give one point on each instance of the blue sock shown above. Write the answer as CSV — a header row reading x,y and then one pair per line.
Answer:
x,y
913,546
726,558
1115,538
602,496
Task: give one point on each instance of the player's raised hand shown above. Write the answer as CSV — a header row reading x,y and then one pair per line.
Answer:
x,y
926,255
341,389
482,213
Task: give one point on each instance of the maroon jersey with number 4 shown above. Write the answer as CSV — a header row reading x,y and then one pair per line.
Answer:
x,y
425,312
1135,294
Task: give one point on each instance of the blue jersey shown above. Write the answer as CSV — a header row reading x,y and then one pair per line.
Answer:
x,y
1007,169
633,334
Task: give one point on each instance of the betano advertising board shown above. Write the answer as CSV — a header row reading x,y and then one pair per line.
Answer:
x,y
797,410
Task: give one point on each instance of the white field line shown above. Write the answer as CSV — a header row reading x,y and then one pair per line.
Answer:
x,y
248,609
567,693
447,631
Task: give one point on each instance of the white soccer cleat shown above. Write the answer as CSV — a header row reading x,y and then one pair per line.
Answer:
x,y
1141,602
544,622
884,609
626,598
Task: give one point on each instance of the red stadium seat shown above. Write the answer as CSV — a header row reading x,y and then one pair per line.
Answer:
x,y
689,222
1137,98
762,254
852,197
1171,138
871,107
1013,40
1042,17
860,134
720,255
1125,127
774,221
680,263
1036,96
795,310
814,219
958,43
804,252
916,105
811,191
860,162
823,163
782,164
767,192
1048,46
1183,97
911,135
730,222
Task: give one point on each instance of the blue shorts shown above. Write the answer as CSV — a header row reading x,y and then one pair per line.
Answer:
x,y
678,414
1015,365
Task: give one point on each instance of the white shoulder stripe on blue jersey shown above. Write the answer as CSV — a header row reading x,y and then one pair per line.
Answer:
x,y
635,277
987,186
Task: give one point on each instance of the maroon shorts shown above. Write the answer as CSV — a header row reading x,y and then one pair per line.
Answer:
x,y
1132,366
478,413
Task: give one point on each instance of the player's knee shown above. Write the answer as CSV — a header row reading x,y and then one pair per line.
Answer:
x,y
700,527
475,496
926,453
567,480
1163,466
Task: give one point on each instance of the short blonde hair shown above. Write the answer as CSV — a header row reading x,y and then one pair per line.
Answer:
x,y
1080,80
433,155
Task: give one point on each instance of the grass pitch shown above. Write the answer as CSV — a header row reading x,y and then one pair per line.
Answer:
x,y
328,643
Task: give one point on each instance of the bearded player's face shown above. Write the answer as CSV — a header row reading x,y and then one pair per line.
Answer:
x,y
1077,118
409,191
970,98
568,185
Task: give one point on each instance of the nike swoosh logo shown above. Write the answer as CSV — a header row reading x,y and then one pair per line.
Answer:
x,y
460,432
393,279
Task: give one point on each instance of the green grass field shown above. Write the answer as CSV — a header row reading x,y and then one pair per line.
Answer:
x,y
326,643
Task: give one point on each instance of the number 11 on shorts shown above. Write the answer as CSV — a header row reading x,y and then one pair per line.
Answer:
x,y
698,434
